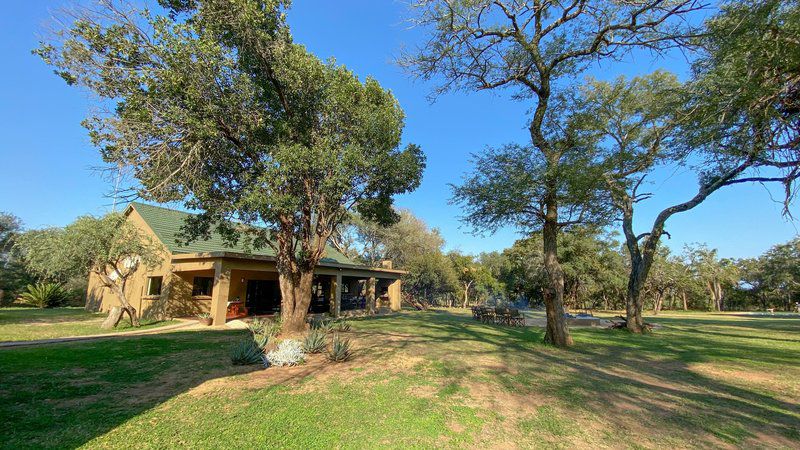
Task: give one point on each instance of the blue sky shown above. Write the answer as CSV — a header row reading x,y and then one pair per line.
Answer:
x,y
46,161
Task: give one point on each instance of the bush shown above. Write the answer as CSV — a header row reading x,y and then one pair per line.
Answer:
x,y
340,349
246,352
288,353
44,295
314,341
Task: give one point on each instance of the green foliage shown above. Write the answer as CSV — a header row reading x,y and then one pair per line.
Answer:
x,y
110,246
246,352
44,295
204,315
340,349
314,342
13,275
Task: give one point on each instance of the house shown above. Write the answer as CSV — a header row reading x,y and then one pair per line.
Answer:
x,y
208,276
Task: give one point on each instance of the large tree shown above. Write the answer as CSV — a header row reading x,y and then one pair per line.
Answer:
x,y
537,49
110,248
216,106
736,121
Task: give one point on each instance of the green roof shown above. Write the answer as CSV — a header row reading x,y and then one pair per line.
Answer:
x,y
166,224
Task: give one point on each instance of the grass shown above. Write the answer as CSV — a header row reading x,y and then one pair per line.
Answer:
x,y
418,380
25,324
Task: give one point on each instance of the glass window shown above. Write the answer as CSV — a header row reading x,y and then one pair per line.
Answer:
x,y
154,286
202,285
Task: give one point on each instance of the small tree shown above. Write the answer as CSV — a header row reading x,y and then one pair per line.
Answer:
x,y
108,247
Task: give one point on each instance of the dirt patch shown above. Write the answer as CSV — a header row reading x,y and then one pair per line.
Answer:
x,y
739,376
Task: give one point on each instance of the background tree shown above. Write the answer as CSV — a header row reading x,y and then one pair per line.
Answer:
x,y
536,48
108,247
13,276
216,106
780,272
716,274
736,121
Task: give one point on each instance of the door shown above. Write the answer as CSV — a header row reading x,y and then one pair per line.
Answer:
x,y
263,297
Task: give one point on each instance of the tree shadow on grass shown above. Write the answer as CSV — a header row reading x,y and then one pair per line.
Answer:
x,y
647,384
64,395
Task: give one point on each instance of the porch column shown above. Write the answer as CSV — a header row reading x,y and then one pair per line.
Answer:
x,y
371,295
336,295
220,292
395,297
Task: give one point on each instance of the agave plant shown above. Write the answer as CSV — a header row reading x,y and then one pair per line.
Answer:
x,y
340,349
314,341
246,352
44,295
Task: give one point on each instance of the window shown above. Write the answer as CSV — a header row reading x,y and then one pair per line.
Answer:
x,y
153,286
202,286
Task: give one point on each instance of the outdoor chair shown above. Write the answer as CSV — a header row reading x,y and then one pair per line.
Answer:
x,y
502,315
487,315
516,318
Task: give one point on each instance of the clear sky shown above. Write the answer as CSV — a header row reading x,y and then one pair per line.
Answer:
x,y
46,161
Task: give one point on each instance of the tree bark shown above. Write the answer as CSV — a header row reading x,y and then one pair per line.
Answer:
x,y
685,303
118,287
295,300
466,294
557,332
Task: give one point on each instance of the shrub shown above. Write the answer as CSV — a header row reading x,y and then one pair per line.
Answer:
x,y
204,315
44,295
288,353
340,349
314,341
246,352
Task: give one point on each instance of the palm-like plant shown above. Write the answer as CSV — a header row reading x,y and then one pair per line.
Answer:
x,y
44,295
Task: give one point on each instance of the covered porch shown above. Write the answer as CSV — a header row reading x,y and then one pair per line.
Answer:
x,y
235,286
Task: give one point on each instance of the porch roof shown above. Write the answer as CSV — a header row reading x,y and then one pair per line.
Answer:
x,y
181,257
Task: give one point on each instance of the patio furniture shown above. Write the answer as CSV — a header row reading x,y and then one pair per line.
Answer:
x,y
516,319
476,312
502,315
487,315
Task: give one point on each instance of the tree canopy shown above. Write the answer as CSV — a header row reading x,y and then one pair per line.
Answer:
x,y
216,105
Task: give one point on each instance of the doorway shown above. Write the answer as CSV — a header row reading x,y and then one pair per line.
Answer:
x,y
263,297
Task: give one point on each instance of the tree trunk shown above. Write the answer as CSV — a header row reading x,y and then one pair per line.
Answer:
x,y
633,299
466,294
295,300
657,303
118,287
685,303
557,332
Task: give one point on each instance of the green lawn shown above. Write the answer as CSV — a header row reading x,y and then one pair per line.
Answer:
x,y
25,324
420,380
